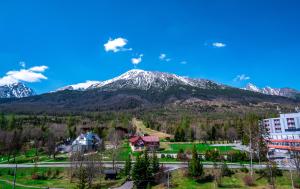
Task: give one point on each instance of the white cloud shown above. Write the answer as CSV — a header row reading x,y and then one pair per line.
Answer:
x,y
218,44
183,62
137,60
22,64
163,57
30,75
241,77
116,45
38,68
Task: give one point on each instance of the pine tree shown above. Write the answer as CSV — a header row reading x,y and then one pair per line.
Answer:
x,y
2,121
137,171
195,166
127,168
155,163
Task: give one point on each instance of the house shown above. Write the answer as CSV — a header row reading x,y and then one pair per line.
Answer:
x,y
86,142
139,143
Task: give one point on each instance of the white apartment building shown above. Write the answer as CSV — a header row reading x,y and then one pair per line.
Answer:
x,y
284,132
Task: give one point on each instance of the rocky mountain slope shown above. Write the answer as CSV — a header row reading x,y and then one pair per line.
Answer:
x,y
15,90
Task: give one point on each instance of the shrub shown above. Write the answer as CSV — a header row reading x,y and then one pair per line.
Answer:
x,y
169,156
162,156
212,155
248,180
207,178
244,170
57,172
226,172
49,173
34,176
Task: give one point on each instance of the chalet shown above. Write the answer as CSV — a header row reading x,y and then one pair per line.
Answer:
x,y
86,142
139,143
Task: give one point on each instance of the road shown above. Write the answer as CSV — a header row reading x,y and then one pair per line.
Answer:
x,y
120,164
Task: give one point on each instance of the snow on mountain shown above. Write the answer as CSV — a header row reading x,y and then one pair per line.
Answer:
x,y
79,86
287,92
144,80
15,90
252,87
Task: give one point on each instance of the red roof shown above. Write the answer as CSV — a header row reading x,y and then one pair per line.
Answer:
x,y
144,138
134,139
150,139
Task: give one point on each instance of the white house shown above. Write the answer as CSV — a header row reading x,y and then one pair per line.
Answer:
x,y
86,142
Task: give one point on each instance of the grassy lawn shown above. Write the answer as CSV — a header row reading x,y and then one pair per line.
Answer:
x,y
179,180
24,177
29,157
60,180
201,148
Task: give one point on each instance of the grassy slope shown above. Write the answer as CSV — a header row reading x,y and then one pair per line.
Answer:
x,y
142,128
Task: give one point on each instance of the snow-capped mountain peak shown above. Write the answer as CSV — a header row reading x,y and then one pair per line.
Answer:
x,y
145,80
15,90
287,92
79,86
252,87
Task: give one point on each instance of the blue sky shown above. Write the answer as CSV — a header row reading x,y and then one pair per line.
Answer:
x,y
218,40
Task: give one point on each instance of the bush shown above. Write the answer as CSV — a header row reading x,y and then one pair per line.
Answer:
x,y
248,180
49,173
207,178
244,170
169,156
162,156
36,176
57,172
226,172
212,155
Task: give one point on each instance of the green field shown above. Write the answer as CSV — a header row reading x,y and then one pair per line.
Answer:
x,y
201,148
29,157
54,177
179,180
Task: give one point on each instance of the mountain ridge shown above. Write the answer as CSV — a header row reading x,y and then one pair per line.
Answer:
x,y
286,92
139,89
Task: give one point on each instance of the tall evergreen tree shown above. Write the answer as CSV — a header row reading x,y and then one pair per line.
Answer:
x,y
2,121
127,168
155,163
137,171
195,166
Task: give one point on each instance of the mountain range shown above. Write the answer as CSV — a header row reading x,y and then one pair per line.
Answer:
x,y
145,89
286,92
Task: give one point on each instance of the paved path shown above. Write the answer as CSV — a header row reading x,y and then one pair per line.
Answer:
x,y
120,164
126,185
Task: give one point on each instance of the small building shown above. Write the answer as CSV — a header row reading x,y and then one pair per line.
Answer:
x,y
110,174
86,142
139,143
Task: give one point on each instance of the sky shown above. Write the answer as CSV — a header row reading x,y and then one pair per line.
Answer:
x,y
54,43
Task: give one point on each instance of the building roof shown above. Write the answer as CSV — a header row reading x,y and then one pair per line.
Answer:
x,y
134,139
88,138
144,138
150,138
